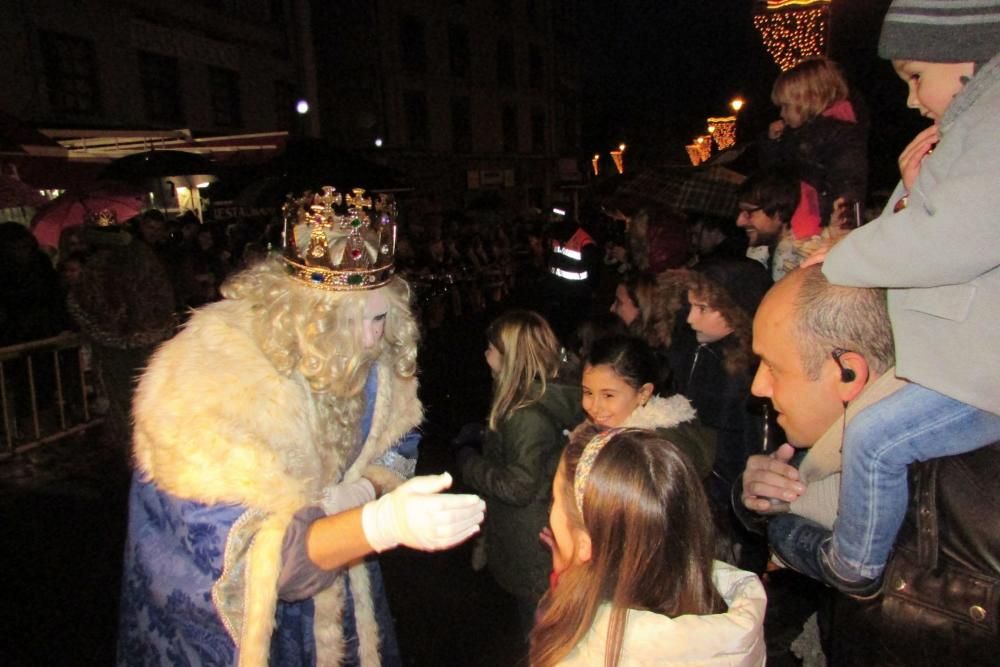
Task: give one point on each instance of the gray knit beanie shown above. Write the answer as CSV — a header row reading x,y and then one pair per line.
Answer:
x,y
941,31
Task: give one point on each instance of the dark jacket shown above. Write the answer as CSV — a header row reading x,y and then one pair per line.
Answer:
x,y
940,600
514,475
829,154
675,419
723,404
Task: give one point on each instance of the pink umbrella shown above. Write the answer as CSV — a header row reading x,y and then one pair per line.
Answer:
x,y
72,208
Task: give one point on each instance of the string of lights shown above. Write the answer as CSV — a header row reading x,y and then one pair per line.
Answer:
x,y
723,131
793,29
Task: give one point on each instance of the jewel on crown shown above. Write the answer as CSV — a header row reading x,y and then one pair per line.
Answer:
x,y
340,241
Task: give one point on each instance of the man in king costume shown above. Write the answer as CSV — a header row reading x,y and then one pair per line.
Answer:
x,y
274,437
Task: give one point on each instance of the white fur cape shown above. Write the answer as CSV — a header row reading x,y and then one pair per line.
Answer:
x,y
215,422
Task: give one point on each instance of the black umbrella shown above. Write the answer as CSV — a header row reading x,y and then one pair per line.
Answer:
x,y
157,164
308,164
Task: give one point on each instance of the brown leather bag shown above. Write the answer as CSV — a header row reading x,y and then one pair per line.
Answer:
x,y
940,601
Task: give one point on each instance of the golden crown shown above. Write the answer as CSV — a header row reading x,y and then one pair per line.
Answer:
x,y
340,241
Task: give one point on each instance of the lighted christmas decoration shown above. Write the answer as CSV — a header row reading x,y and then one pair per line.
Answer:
x,y
704,144
595,163
616,156
618,159
723,131
793,29
694,154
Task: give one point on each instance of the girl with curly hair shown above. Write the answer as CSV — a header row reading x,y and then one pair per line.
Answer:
x,y
716,369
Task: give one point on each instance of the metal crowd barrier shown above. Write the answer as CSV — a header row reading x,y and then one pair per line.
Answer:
x,y
46,391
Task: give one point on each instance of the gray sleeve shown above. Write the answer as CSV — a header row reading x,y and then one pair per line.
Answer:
x,y
947,235
300,578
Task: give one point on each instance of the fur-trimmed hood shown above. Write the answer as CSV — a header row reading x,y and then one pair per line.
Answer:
x,y
675,419
660,412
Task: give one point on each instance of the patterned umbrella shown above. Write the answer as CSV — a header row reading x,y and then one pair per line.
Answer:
x,y
661,186
72,208
711,190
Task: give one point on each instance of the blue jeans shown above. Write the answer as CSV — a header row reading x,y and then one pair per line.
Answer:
x,y
912,424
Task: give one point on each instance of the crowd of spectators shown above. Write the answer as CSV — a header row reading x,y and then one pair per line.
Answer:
x,y
720,318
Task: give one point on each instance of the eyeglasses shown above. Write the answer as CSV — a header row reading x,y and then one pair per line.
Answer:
x,y
749,210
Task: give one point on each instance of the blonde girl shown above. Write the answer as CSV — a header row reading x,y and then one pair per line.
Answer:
x,y
529,414
822,137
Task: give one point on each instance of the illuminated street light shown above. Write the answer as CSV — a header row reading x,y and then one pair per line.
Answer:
x,y
737,104
302,107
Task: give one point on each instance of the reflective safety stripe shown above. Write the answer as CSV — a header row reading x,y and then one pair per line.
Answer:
x,y
569,275
567,252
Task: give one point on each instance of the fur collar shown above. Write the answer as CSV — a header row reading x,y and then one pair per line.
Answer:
x,y
660,412
240,431
215,422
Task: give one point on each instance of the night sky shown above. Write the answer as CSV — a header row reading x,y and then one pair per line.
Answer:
x,y
653,70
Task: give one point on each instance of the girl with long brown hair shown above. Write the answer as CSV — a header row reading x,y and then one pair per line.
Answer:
x,y
633,577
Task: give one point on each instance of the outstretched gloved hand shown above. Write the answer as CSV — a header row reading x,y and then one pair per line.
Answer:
x,y
417,515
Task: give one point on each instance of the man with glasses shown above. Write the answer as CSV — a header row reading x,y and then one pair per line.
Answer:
x,y
767,202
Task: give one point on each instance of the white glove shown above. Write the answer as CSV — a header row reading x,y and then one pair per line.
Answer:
x,y
339,498
416,514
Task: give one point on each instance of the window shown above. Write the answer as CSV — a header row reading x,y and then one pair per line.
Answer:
x,y
458,50
161,88
538,131
508,123
461,125
225,97
412,49
70,65
536,74
415,107
505,63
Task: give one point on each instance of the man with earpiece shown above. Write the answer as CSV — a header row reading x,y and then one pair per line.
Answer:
x,y
826,353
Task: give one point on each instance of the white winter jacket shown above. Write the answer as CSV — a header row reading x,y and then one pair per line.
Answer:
x,y
732,639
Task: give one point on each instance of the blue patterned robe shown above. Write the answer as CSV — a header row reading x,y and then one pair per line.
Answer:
x,y
176,575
